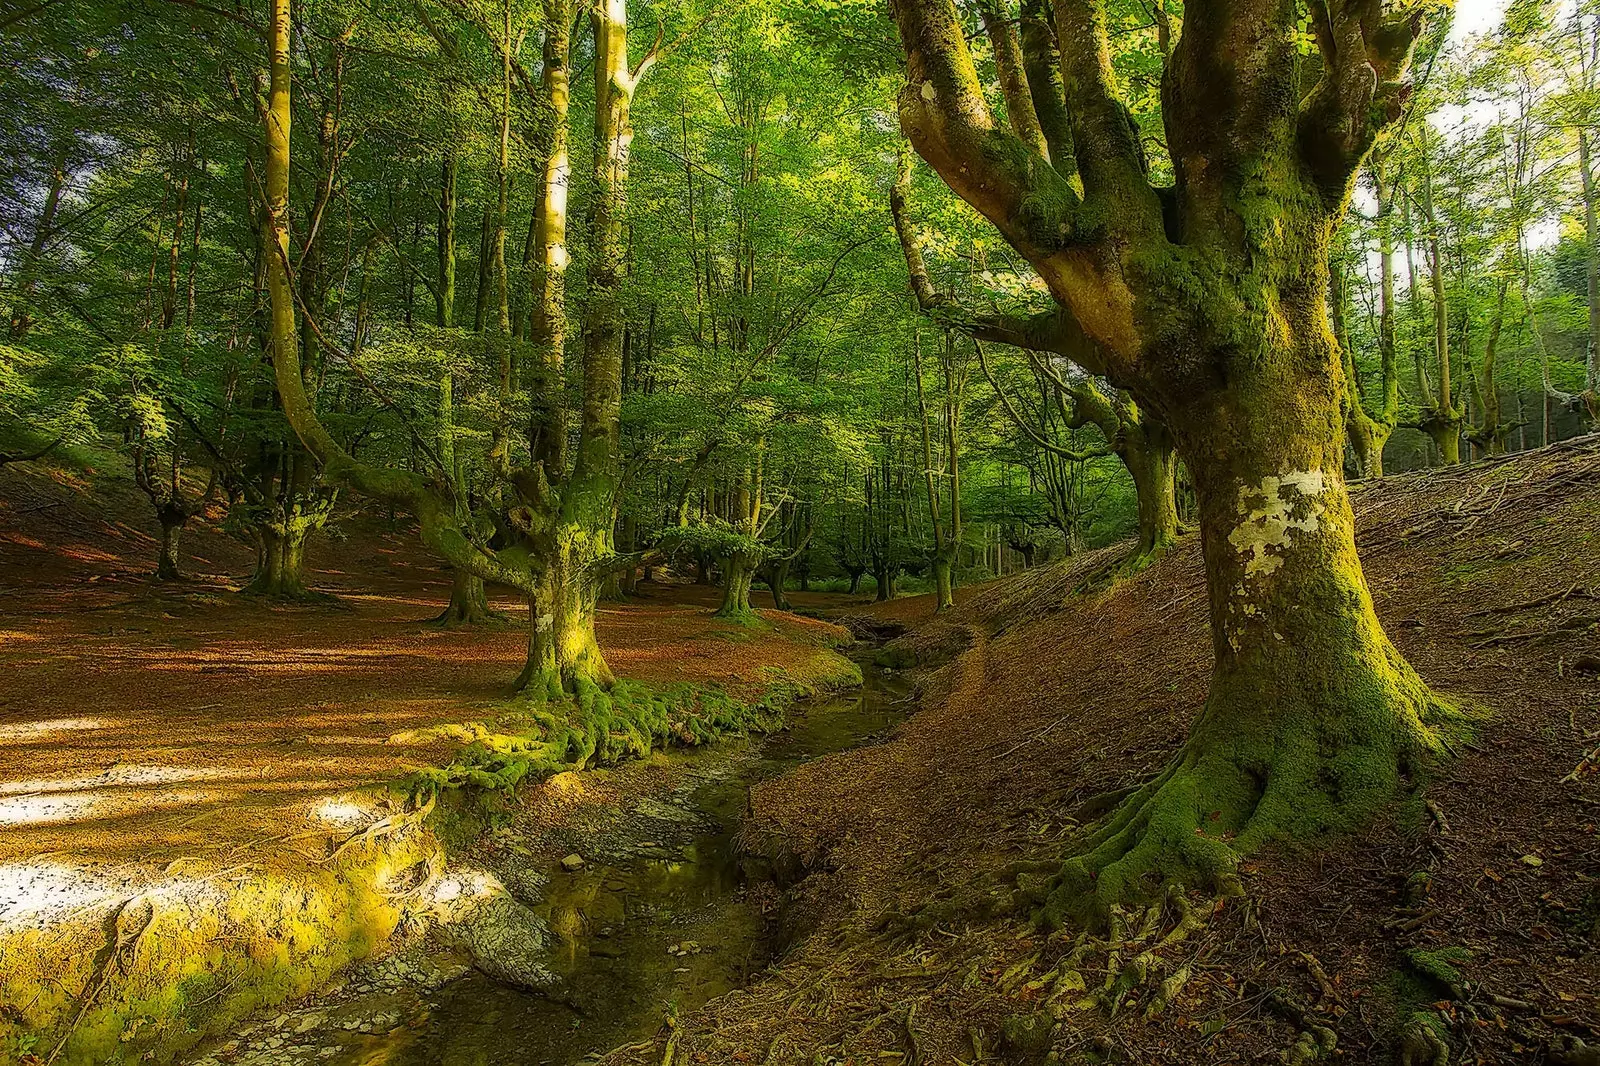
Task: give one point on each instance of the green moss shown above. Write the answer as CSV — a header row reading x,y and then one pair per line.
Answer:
x,y
1438,968
601,727
895,656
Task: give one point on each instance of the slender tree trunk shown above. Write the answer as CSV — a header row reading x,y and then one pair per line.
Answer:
x,y
1591,232
445,295
1153,465
27,273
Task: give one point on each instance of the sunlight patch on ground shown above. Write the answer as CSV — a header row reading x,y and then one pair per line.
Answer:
x,y
39,810
119,774
28,889
48,727
342,812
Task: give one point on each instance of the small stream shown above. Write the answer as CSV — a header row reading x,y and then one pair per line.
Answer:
x,y
632,940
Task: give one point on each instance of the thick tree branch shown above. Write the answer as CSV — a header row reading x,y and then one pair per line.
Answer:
x,y
1013,80
1050,331
944,114
1041,63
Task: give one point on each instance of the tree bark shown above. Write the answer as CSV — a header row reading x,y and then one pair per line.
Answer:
x,y
737,575
167,568
469,602
280,562
1209,301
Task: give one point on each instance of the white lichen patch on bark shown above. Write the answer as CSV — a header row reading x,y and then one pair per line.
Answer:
x,y
1273,514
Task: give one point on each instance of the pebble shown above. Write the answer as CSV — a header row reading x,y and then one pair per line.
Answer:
x,y
572,863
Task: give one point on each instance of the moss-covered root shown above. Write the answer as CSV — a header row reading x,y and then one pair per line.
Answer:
x,y
1266,762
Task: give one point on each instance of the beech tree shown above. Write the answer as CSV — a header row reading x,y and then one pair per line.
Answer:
x,y
1208,300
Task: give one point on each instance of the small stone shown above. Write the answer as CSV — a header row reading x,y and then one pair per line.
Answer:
x,y
572,863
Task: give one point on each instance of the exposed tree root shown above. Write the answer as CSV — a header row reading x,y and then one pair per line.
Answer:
x,y
1241,783
1421,1043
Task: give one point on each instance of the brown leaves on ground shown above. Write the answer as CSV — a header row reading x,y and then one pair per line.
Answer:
x,y
1486,577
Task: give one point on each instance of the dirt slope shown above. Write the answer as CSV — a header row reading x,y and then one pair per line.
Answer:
x,y
1488,578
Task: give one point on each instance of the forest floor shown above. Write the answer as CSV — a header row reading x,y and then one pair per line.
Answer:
x,y
1488,579
163,734
143,721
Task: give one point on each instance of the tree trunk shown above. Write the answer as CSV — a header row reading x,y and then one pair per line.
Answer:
x,y
167,568
855,581
777,578
444,297
944,593
280,563
884,578
27,274
736,577
563,654
469,603
1591,261
1314,722
1153,465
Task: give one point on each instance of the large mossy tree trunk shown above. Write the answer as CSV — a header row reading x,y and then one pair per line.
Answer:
x,y
280,561
1314,722
1209,301
738,573
563,652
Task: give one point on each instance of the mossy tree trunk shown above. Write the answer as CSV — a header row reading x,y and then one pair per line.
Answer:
x,y
560,518
469,601
1369,427
167,559
737,575
280,561
1153,464
1209,302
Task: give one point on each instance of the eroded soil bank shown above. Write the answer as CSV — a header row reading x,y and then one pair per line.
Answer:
x,y
1463,927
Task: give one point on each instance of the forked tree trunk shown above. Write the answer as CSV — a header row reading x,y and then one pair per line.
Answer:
x,y
563,654
737,575
1210,302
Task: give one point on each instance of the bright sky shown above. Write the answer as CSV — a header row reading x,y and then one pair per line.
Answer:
x,y
1475,16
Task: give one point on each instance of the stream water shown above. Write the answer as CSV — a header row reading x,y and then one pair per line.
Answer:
x,y
633,939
